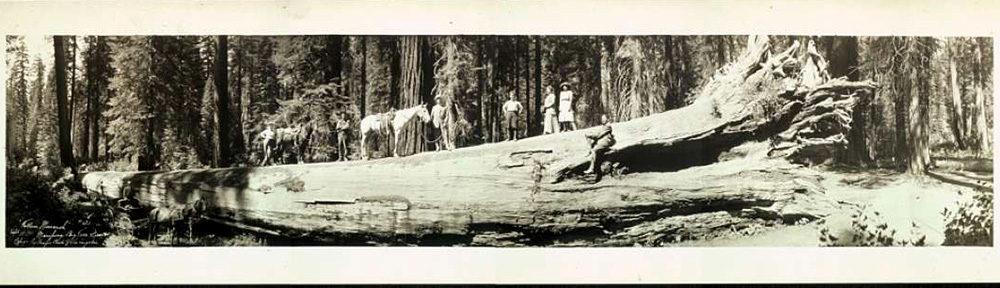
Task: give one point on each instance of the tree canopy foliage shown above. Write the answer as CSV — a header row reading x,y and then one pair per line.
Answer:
x,y
150,102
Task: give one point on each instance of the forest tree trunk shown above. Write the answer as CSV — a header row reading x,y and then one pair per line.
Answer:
x,y
223,131
844,63
411,76
538,86
843,51
62,107
529,109
958,116
607,81
985,136
237,136
364,79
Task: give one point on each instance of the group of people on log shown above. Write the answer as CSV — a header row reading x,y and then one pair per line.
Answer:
x,y
558,112
559,115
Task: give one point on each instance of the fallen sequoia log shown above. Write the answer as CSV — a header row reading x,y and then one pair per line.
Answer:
x,y
737,155
983,165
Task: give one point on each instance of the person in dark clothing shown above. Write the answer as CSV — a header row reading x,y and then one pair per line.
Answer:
x,y
343,129
511,111
601,141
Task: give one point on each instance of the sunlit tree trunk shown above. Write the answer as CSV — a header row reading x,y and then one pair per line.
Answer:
x,y
985,136
917,128
957,119
607,81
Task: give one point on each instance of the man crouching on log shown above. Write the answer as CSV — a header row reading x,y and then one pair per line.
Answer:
x,y
600,141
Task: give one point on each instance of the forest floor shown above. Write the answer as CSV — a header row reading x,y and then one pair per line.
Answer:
x,y
901,200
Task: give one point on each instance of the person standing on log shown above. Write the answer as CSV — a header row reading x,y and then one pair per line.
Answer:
x,y
549,121
511,111
438,118
267,139
600,142
567,119
343,128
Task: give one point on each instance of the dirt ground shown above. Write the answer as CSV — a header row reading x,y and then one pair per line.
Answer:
x,y
900,199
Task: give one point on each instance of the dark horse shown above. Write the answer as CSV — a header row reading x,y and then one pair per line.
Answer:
x,y
290,145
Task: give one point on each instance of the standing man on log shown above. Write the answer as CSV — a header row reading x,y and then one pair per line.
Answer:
x,y
343,128
511,110
267,140
600,142
438,118
549,123
567,119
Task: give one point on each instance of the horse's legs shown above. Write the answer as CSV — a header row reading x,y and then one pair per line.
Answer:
x,y
395,144
364,150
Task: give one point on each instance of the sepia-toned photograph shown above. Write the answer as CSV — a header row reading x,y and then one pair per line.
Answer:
x,y
498,140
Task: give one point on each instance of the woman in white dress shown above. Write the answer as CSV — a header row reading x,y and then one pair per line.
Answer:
x,y
567,120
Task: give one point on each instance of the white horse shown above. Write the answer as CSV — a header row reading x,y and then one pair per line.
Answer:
x,y
390,122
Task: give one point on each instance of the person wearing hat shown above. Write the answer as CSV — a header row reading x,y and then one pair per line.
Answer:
x,y
549,122
343,128
511,110
567,121
438,116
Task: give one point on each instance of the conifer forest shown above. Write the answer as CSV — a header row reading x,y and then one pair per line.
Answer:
x,y
498,140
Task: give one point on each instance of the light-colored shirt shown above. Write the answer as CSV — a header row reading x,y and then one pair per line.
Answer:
x,y
437,115
343,125
550,103
512,106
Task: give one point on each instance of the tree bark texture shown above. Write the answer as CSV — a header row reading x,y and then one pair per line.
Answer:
x,y
62,106
222,103
411,77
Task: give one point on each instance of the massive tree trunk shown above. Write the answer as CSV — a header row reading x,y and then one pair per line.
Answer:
x,y
237,136
222,103
62,107
957,118
843,56
732,158
917,136
410,88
